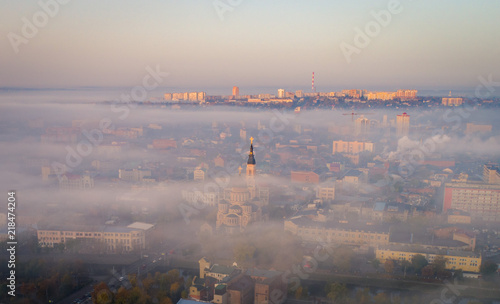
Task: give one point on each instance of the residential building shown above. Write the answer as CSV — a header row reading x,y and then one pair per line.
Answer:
x,y
491,174
481,200
281,93
105,238
448,101
304,177
351,147
455,259
338,233
402,125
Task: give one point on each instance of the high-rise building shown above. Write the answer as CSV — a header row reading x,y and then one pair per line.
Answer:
x,y
402,125
236,91
446,101
361,126
281,93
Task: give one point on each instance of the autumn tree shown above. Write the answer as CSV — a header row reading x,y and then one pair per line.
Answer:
x,y
102,294
428,271
336,291
389,266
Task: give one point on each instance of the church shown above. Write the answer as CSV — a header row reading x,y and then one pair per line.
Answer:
x,y
244,201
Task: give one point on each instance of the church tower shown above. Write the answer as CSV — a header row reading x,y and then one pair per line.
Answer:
x,y
251,166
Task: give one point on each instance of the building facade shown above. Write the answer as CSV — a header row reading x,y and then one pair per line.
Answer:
x,y
465,260
481,201
402,125
112,239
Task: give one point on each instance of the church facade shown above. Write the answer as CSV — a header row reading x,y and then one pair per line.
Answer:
x,y
244,202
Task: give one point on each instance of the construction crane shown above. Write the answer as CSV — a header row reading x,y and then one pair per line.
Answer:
x,y
353,113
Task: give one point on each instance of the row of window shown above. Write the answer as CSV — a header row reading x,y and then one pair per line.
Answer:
x,y
88,234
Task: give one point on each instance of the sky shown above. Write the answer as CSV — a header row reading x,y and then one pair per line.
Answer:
x,y
214,44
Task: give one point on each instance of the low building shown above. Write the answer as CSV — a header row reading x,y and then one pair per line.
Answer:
x,y
111,239
466,260
338,233
304,177
458,217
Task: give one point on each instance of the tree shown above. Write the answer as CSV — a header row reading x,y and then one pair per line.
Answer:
x,y
459,274
102,294
389,266
173,275
243,252
299,293
166,300
376,263
428,271
418,262
363,296
342,258
381,298
336,291
488,268
439,264
184,294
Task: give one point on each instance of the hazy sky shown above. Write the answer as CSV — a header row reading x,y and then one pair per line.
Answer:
x,y
429,44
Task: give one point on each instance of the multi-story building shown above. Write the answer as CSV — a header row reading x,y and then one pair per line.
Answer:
x,y
353,93
402,125
304,177
76,182
164,143
326,191
186,96
380,95
491,174
236,91
281,93
455,259
64,135
351,147
134,175
472,128
481,200
338,233
361,126
406,94
270,288
448,101
114,239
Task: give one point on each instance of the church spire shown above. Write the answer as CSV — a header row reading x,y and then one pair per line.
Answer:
x,y
251,159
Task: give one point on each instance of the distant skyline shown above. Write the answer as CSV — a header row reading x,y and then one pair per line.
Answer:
x,y
428,45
